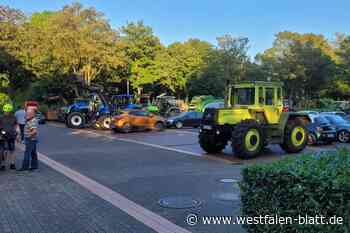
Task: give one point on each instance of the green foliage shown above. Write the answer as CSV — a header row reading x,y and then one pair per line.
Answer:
x,y
77,44
312,184
306,60
4,98
43,108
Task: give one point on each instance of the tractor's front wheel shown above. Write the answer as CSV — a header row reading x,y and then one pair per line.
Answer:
x,y
209,144
105,122
247,139
295,137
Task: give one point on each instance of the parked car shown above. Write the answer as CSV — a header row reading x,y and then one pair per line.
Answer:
x,y
41,118
185,119
136,120
341,125
321,131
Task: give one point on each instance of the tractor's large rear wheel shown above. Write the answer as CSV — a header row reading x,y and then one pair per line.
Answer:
x,y
295,137
209,144
75,120
247,139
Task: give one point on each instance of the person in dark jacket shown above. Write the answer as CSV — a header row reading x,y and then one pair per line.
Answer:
x,y
8,124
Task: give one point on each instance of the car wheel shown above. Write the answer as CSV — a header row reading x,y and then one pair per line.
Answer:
x,y
178,125
159,126
126,128
343,136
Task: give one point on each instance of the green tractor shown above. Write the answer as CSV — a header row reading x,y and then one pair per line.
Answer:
x,y
252,119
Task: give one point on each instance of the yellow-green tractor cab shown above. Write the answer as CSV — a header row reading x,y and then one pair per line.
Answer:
x,y
252,119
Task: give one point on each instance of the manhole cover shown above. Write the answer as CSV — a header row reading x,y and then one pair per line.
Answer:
x,y
226,196
228,181
179,202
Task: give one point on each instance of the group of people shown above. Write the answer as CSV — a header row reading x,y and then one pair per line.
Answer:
x,y
21,126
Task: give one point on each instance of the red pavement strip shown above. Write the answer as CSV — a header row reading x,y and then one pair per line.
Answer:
x,y
150,219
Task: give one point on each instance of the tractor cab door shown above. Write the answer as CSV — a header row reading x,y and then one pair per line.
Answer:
x,y
271,98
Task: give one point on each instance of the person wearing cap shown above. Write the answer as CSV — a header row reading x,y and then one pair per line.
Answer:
x,y
30,140
8,123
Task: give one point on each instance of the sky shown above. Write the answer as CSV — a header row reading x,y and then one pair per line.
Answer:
x,y
179,20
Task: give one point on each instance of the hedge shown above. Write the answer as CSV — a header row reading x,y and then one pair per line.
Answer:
x,y
310,184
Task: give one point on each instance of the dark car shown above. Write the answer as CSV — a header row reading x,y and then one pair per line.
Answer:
x,y
321,131
185,119
341,125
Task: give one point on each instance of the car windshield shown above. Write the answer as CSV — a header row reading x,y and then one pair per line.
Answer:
x,y
321,120
337,119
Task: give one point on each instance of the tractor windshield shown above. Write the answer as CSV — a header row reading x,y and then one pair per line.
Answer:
x,y
245,96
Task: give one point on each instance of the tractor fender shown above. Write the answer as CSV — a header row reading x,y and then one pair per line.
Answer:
x,y
287,116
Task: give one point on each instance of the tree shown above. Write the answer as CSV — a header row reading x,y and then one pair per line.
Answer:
x,y
299,60
141,48
77,40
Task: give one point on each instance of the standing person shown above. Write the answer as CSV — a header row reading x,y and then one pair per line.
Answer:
x,y
8,123
21,120
30,140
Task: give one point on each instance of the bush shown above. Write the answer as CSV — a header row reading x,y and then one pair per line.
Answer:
x,y
306,185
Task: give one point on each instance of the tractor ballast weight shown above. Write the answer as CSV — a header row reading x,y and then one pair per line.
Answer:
x,y
253,119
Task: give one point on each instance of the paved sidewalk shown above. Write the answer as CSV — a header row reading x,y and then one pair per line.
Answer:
x,y
45,201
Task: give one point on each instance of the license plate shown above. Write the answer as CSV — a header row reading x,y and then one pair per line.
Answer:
x,y
330,135
208,127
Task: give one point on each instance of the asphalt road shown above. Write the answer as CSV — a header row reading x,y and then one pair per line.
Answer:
x,y
142,167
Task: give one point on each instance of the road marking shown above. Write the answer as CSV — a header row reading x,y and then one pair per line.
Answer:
x,y
184,131
147,217
147,144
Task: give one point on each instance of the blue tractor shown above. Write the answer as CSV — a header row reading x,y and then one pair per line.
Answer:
x,y
96,110
91,111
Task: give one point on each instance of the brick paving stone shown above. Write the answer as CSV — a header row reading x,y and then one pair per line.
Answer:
x,y
45,201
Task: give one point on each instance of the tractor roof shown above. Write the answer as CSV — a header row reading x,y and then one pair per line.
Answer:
x,y
258,83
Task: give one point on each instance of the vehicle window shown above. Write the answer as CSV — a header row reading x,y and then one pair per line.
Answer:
x,y
199,115
321,120
191,115
269,92
261,95
336,119
245,96
139,113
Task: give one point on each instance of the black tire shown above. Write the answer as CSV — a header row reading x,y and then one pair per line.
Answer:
x,y
210,146
159,126
76,120
126,128
343,136
247,139
297,131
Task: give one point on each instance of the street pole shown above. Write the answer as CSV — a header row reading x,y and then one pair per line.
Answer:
x,y
127,87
